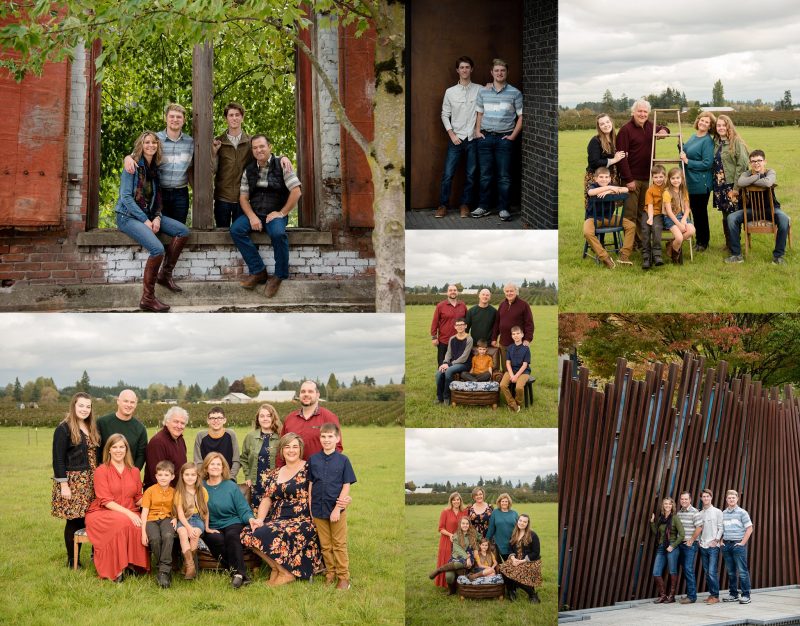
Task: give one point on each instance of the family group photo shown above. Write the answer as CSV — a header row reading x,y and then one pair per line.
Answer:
x,y
261,484
480,330
481,508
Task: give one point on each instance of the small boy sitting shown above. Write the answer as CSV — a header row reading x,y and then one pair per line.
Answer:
x,y
331,475
481,370
518,359
604,211
158,525
652,222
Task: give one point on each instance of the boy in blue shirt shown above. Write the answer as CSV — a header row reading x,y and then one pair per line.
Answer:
x,y
518,360
331,475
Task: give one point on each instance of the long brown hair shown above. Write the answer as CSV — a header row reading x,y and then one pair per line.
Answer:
x,y
275,425
609,143
467,539
522,537
183,498
681,203
452,497
733,138
74,422
138,147
113,440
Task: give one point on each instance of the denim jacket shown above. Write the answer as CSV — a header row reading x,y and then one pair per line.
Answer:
x,y
126,205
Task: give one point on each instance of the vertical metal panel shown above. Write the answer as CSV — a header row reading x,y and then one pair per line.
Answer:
x,y
625,447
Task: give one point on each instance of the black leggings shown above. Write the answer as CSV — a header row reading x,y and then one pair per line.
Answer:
x,y
69,536
227,546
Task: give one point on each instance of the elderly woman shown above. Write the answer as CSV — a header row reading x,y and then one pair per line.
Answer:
x,y
283,533
113,521
479,511
523,568
448,526
139,216
731,160
698,158
602,152
260,450
228,513
502,522
668,531
167,445
75,446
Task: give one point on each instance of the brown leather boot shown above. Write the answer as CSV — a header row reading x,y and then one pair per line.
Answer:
x,y
173,252
188,562
254,279
272,286
672,588
662,594
149,302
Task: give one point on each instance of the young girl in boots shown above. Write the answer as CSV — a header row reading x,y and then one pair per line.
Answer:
x,y
190,506
76,441
523,568
485,561
465,543
676,213
668,531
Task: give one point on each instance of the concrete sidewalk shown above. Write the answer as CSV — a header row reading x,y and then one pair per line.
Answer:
x,y
777,605
423,219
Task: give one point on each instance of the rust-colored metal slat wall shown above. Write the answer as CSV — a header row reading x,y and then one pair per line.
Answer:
x,y
624,448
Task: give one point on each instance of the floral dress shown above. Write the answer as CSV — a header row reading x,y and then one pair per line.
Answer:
x,y
81,484
480,521
288,535
263,466
721,187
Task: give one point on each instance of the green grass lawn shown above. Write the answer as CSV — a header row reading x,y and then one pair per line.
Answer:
x,y
705,284
423,412
428,604
38,589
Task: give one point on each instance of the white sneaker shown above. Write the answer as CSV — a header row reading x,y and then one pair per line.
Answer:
x,y
480,212
505,215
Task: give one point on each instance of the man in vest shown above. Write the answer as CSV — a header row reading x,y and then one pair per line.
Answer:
x,y
266,194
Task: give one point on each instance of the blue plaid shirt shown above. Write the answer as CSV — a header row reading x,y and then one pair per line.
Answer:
x,y
175,161
500,108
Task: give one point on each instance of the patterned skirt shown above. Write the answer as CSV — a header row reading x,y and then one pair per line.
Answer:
x,y
526,573
292,543
81,484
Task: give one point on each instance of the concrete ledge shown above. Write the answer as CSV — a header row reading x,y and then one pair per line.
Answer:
x,y
221,237
353,295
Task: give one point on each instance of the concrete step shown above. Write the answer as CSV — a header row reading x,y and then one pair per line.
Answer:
x,y
352,295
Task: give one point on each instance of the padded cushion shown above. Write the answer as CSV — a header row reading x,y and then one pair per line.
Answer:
x,y
466,385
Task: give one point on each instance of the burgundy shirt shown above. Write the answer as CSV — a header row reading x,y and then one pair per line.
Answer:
x,y
445,315
518,313
637,141
308,429
162,447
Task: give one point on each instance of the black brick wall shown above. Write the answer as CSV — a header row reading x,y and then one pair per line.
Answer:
x,y
540,129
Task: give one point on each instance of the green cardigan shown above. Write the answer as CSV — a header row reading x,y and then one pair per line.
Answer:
x,y
676,534
734,162
250,450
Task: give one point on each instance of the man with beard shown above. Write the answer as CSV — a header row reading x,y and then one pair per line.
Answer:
x,y
443,325
306,421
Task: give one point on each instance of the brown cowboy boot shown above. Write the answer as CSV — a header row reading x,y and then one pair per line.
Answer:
x,y
662,595
188,563
172,253
149,302
672,588
272,286
452,566
254,279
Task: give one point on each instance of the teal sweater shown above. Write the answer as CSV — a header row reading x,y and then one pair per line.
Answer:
x,y
226,505
501,525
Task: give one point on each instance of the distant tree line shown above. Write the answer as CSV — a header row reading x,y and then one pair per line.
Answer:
x,y
540,484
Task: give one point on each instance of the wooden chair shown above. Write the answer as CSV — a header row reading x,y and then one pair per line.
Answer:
x,y
251,559
78,538
480,398
667,237
759,202
607,210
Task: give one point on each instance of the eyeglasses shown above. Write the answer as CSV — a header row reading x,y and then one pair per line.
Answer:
x,y
216,418
756,160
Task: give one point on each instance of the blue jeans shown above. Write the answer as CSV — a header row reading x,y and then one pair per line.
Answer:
x,y
451,162
175,203
735,221
142,235
494,154
443,380
226,212
688,556
276,229
666,558
710,558
736,559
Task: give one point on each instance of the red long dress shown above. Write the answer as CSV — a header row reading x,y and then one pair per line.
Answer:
x,y
448,521
117,542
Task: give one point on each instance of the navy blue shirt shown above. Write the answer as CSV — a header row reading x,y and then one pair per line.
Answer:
x,y
519,354
603,208
328,474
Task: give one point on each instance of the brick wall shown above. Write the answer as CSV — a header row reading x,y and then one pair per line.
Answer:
x,y
540,135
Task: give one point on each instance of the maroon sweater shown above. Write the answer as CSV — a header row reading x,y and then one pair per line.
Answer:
x,y
637,141
518,313
162,447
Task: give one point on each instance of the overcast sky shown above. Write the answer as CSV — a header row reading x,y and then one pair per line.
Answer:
x,y
142,349
466,454
436,257
752,47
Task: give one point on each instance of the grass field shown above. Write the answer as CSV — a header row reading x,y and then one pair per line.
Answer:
x,y
423,412
38,589
428,604
705,284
